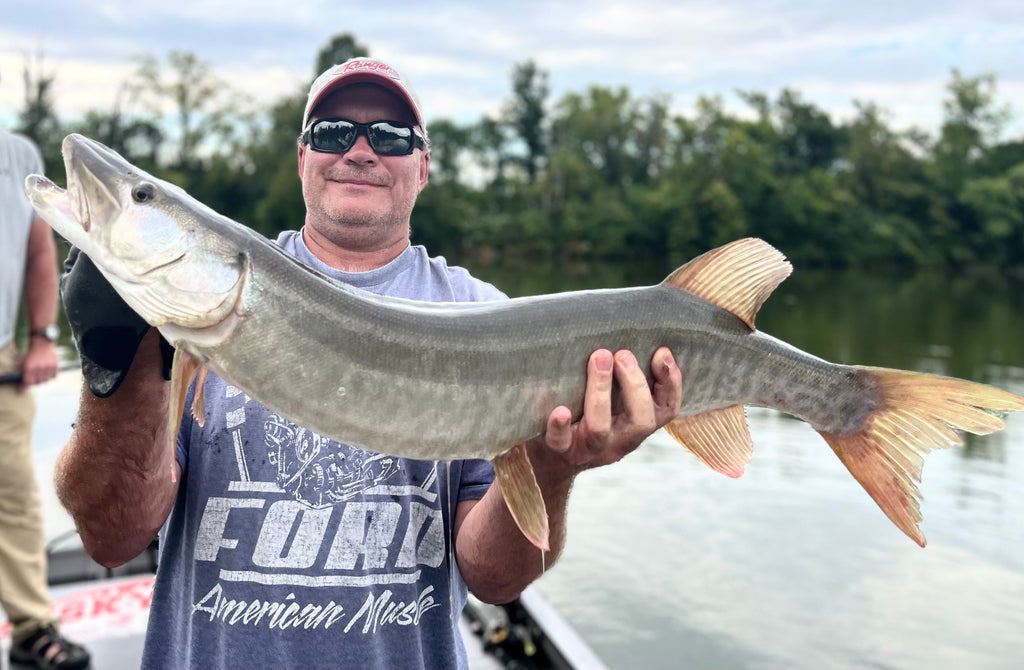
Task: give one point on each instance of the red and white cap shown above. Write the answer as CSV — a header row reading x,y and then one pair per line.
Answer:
x,y
361,70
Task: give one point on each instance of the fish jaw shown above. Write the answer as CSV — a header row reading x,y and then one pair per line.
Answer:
x,y
146,236
52,203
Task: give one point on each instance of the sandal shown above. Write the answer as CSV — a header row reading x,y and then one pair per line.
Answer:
x,y
47,650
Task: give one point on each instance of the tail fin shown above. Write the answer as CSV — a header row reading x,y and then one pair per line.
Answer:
x,y
917,413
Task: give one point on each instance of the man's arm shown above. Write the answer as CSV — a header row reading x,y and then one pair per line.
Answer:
x,y
40,362
114,476
495,558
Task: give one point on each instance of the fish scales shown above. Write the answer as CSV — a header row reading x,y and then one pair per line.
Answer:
x,y
497,369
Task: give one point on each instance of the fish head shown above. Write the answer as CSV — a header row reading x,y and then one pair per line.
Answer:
x,y
158,246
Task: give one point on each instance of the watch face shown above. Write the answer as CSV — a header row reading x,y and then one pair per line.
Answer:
x,y
50,332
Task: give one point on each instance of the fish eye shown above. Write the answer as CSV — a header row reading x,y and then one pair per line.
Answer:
x,y
143,192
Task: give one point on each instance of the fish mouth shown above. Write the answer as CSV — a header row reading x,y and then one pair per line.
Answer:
x,y
94,173
48,198
90,166
52,194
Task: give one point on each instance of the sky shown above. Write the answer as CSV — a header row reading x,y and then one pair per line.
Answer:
x,y
460,56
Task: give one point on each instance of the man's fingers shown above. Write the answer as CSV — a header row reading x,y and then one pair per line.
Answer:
x,y
597,401
558,435
638,415
668,386
601,437
38,368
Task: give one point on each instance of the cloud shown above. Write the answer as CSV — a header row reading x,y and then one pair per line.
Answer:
x,y
460,54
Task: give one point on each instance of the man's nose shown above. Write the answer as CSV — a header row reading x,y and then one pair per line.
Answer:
x,y
361,151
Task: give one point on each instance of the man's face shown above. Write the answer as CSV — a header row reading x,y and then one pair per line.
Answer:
x,y
360,200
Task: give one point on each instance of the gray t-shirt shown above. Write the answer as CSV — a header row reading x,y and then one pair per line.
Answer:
x,y
19,158
286,549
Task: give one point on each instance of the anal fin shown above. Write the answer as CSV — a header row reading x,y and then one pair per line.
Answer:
x,y
719,438
522,495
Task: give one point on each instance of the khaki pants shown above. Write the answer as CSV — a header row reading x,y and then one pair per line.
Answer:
x,y
23,591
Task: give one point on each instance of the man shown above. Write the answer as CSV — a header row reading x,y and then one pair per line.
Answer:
x,y
282,548
28,265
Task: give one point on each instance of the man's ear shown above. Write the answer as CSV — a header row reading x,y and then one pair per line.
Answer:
x,y
424,169
302,159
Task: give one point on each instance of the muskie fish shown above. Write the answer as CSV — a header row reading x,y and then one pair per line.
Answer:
x,y
477,380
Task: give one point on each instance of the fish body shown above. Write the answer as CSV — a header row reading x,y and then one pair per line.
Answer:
x,y
441,381
476,380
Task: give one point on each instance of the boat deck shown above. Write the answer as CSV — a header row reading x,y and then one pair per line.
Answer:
x,y
113,624
107,611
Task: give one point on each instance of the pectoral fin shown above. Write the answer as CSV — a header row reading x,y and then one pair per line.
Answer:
x,y
522,495
199,399
184,368
719,438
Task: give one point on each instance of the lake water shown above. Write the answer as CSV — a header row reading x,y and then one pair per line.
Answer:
x,y
671,565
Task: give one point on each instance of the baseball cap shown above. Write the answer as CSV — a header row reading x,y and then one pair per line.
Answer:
x,y
361,70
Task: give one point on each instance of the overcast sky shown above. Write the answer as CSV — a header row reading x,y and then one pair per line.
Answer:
x,y
460,55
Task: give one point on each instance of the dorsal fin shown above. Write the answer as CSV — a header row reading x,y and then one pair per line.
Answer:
x,y
737,277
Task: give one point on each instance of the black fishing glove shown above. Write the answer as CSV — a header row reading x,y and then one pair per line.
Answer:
x,y
107,331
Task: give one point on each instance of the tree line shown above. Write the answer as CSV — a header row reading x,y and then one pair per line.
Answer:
x,y
602,173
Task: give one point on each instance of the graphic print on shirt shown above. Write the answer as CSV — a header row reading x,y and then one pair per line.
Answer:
x,y
308,532
319,472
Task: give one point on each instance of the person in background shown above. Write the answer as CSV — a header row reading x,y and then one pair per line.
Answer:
x,y
279,547
28,266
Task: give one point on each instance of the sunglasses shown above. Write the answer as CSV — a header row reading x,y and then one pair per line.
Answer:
x,y
386,138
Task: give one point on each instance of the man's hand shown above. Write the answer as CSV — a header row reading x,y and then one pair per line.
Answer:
x,y
107,331
605,434
39,364
495,558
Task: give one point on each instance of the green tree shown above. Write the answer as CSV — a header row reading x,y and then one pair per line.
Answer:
x,y
274,169
449,146
488,142
601,126
808,139
973,122
38,118
890,191
998,206
341,48
204,107
525,114
137,139
652,140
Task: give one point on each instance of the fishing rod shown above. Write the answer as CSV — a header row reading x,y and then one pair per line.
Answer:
x,y
16,377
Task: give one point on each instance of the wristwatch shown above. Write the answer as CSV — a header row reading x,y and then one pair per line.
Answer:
x,y
50,332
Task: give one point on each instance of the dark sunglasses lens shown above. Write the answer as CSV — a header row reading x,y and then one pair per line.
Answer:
x,y
333,136
338,136
389,140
